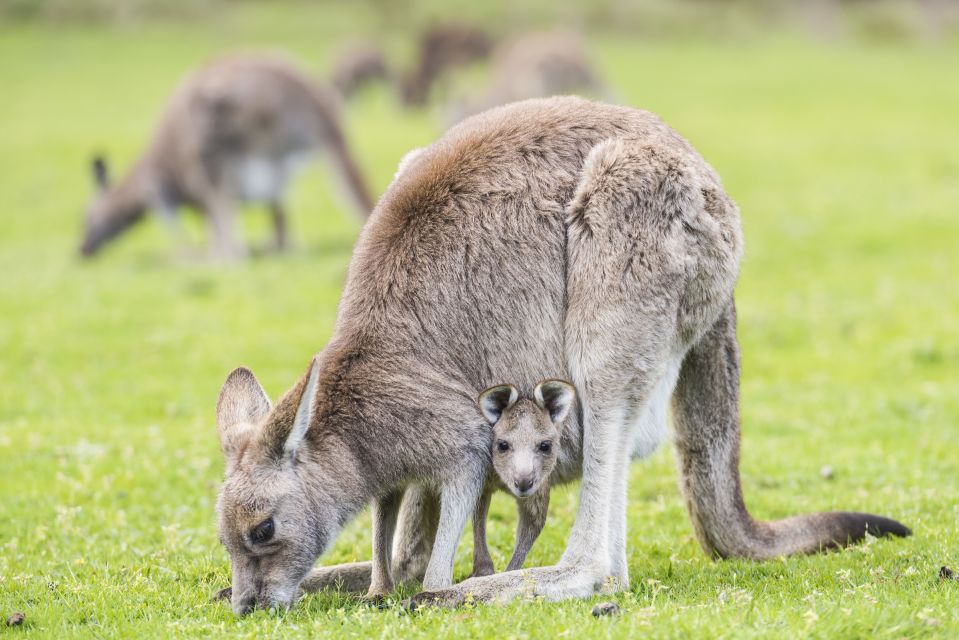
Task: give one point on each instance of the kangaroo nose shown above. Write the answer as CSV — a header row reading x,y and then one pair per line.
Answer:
x,y
523,484
243,606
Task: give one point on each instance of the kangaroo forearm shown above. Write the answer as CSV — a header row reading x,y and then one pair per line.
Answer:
x,y
351,577
532,519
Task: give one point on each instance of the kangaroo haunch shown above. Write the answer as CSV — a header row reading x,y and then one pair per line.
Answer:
x,y
554,238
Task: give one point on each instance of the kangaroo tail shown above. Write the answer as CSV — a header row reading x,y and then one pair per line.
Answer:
x,y
350,174
706,410
342,158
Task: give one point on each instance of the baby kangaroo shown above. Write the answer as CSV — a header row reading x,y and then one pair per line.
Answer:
x,y
527,446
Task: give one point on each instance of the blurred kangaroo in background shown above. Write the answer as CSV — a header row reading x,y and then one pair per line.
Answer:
x,y
552,238
534,65
442,48
358,65
233,132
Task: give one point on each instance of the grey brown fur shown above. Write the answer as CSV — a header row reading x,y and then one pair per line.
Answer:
x,y
234,131
618,250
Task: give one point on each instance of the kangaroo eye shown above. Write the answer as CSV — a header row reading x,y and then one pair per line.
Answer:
x,y
545,446
262,532
502,446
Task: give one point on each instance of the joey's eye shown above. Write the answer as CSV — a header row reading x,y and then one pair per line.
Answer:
x,y
262,532
502,446
545,446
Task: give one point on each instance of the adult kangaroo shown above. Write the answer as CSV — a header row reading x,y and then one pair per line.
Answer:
x,y
552,238
235,131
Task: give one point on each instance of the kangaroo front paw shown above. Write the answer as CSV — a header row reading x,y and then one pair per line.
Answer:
x,y
223,594
482,570
378,600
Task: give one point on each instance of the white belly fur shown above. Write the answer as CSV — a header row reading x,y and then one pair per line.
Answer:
x,y
260,178
652,429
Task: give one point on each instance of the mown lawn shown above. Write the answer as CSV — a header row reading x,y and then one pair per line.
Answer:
x,y
844,161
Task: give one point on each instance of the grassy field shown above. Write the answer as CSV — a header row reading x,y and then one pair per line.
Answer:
x,y
844,161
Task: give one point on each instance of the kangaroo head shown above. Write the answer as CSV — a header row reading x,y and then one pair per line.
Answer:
x,y
526,432
276,509
114,208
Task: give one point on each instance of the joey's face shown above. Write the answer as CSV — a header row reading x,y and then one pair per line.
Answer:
x,y
275,517
525,445
526,432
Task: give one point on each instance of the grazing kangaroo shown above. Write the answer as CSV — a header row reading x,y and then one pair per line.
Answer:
x,y
442,48
618,250
234,131
358,65
531,66
528,440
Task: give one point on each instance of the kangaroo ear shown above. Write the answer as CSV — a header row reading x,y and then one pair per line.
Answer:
x,y
101,176
304,412
495,400
242,404
556,396
290,420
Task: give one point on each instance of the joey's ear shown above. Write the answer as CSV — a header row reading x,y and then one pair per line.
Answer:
x,y
495,400
556,396
242,404
288,424
101,176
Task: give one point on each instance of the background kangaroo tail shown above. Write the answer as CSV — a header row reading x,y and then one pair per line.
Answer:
x,y
706,414
350,174
340,155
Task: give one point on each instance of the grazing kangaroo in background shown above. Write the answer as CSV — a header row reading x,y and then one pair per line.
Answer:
x,y
358,65
442,48
528,441
531,66
233,132
617,250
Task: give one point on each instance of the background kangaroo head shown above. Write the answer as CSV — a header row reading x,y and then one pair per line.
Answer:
x,y
276,509
114,208
526,432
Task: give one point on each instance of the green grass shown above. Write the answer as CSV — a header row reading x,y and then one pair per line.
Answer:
x,y
844,162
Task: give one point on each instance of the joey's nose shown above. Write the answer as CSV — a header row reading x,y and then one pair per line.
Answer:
x,y
524,484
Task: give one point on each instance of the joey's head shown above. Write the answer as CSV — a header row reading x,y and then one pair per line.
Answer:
x,y
276,513
526,432
113,209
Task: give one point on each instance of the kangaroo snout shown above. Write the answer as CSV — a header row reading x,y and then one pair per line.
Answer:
x,y
244,604
524,485
88,248
265,600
